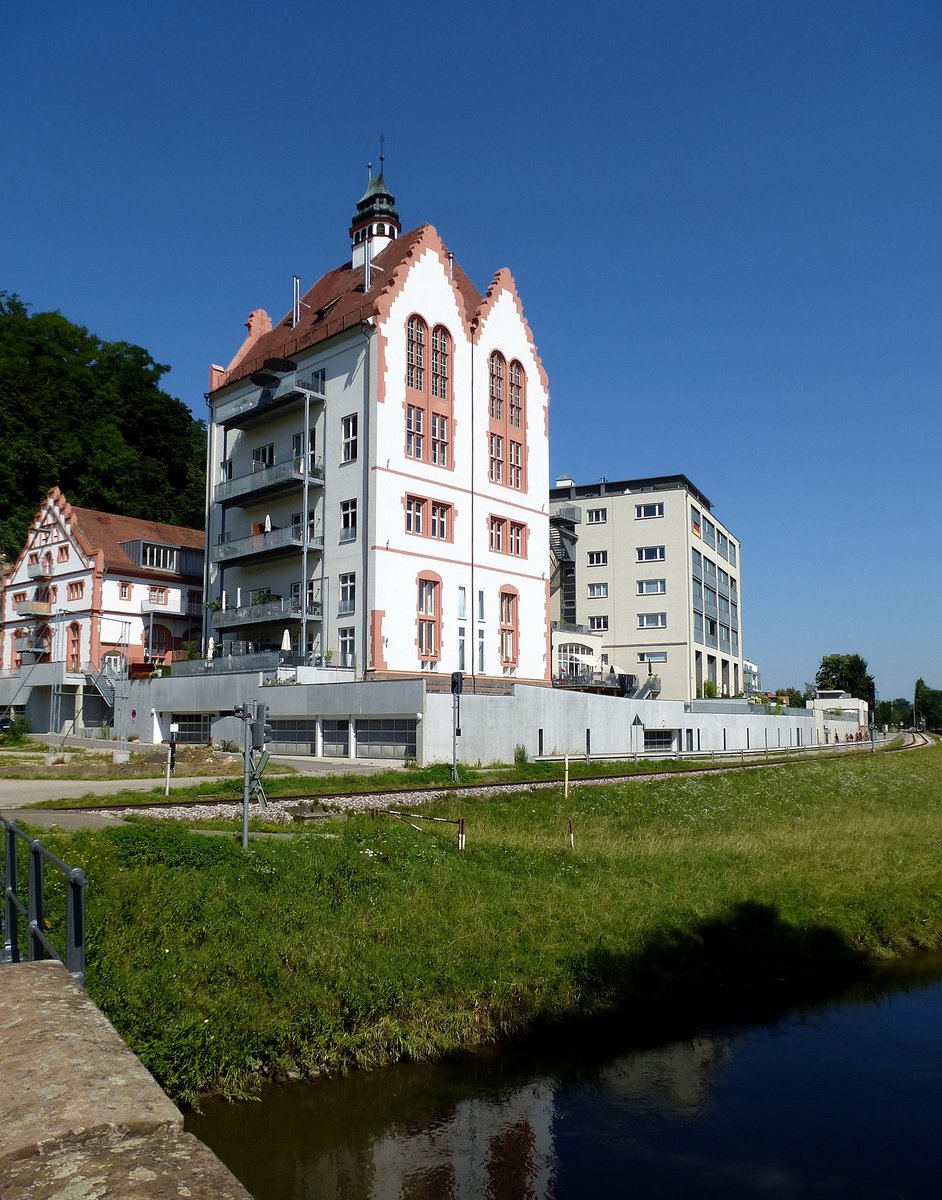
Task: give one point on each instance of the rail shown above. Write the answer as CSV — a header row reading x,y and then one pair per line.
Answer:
x,y
39,946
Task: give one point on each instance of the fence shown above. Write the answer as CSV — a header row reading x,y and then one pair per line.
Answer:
x,y
39,945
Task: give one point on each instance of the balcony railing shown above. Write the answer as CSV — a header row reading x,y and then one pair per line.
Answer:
x,y
272,610
40,570
260,545
173,606
246,409
263,479
31,645
34,608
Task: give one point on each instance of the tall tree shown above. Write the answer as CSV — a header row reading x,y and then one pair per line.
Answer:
x,y
928,703
847,672
91,417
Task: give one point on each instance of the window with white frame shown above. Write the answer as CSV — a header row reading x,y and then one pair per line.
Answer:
x,y
348,520
496,386
416,335
440,439
495,534
644,512
348,594
160,558
518,539
656,620
415,436
263,456
428,617
415,514
651,554
481,651
598,591
462,603
652,587
598,623
462,638
597,558
495,445
515,464
596,516
481,604
509,637
348,438
440,522
652,656
346,638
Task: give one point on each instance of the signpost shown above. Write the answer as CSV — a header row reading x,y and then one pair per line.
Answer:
x,y
257,732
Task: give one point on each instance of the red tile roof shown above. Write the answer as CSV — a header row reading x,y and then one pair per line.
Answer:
x,y
338,302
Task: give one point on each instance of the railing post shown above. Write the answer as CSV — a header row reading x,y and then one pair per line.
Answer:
x,y
75,924
11,936
36,915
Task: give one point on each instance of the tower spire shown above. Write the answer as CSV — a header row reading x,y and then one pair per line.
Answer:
x,y
376,221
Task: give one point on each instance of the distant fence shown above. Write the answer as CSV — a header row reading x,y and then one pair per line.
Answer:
x,y
39,946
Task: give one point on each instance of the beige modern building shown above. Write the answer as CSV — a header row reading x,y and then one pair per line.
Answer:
x,y
652,571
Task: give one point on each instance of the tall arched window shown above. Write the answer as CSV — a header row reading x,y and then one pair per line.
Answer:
x,y
429,397
507,422
509,626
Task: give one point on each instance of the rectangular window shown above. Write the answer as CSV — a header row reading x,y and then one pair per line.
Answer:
x,y
481,605
732,553
653,656
462,635
596,516
698,627
517,539
709,595
652,587
480,651
651,554
125,591
347,640
348,594
515,465
157,595
597,558
348,520
75,591
709,532
348,438
415,514
415,422
440,525
508,627
462,603
496,458
710,627
722,544
495,531
709,568
652,620
160,558
598,591
695,521
439,440
698,593
697,562
263,456
598,623
644,512
724,578
63,554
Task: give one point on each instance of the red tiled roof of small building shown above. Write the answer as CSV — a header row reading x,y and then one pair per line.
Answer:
x,y
105,531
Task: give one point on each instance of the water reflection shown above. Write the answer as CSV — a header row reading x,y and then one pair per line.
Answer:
x,y
843,1101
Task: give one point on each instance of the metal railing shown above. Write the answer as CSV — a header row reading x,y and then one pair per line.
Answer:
x,y
39,945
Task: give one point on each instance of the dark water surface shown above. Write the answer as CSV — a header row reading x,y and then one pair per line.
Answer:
x,y
837,1101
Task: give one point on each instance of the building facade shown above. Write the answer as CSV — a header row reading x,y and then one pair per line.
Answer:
x,y
378,471
645,564
93,592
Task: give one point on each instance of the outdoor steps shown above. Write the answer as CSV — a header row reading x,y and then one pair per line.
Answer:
x,y
79,1114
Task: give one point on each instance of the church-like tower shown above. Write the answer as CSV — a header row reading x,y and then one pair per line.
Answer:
x,y
376,221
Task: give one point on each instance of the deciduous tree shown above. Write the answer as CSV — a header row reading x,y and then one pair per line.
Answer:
x,y
847,672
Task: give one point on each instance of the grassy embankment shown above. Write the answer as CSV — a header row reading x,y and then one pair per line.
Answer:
x,y
380,942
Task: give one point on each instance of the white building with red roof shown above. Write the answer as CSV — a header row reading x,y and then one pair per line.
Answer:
x,y
378,472
92,598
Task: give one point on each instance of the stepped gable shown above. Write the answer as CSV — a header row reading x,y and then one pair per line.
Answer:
x,y
338,302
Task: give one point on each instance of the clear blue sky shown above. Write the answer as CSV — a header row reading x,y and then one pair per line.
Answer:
x,y
724,218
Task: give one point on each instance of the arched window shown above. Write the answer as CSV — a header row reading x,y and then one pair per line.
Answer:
x,y
509,626
428,621
75,646
507,422
428,393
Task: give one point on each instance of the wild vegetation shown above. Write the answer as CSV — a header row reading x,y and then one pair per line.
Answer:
x,y
368,940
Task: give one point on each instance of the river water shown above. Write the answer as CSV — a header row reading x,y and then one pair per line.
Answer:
x,y
844,1100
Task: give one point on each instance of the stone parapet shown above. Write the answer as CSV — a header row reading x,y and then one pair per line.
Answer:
x,y
79,1114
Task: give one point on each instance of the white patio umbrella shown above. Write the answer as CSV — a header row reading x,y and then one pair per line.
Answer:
x,y
210,647
286,641
268,522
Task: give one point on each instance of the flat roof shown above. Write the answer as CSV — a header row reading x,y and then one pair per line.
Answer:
x,y
620,487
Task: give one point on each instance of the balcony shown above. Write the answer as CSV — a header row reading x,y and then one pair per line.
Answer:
x,y
174,606
258,614
40,570
269,481
274,395
31,645
274,544
34,608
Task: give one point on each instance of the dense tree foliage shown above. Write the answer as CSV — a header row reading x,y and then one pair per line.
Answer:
x,y
91,417
894,712
845,671
928,705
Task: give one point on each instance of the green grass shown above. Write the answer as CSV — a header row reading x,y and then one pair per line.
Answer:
x,y
378,942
